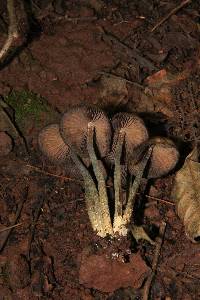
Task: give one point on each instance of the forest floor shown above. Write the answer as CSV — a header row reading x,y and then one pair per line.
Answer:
x,y
101,53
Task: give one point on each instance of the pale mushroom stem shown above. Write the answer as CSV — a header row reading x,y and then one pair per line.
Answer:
x,y
133,190
91,196
103,197
117,180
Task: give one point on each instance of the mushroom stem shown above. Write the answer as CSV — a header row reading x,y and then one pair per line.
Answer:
x,y
135,186
91,197
117,180
103,197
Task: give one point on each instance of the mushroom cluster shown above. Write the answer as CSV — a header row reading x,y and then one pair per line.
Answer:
x,y
90,139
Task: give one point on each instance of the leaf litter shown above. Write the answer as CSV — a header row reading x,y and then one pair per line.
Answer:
x,y
186,193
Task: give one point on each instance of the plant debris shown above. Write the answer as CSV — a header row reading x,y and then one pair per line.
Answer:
x,y
186,194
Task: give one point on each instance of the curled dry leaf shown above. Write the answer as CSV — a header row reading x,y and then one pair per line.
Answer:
x,y
186,193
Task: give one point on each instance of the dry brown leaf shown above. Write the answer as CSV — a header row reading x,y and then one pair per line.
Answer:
x,y
186,193
158,95
113,91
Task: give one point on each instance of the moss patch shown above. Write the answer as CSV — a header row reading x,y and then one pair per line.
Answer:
x,y
29,108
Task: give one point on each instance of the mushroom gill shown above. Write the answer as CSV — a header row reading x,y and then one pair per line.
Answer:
x,y
52,145
74,129
163,159
133,129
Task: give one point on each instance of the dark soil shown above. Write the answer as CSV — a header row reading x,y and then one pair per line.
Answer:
x,y
97,53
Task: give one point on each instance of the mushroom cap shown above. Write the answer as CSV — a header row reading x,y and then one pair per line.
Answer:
x,y
52,145
134,130
74,129
163,159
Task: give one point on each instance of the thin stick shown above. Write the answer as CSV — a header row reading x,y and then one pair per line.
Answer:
x,y
172,12
10,227
140,86
33,226
53,175
17,29
18,213
128,51
37,169
159,199
159,243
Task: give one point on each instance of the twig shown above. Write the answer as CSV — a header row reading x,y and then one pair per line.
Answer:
x,y
3,25
18,213
33,226
128,51
65,178
18,28
147,285
80,19
53,175
160,200
10,227
140,86
172,12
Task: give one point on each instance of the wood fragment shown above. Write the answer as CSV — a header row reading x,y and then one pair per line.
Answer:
x,y
128,51
172,12
160,200
37,169
147,286
17,31
17,216
10,227
33,226
140,86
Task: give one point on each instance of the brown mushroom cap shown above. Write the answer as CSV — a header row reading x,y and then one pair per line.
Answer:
x,y
52,145
74,129
163,159
134,129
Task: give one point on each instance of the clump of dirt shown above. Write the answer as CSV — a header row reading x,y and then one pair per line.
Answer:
x,y
109,275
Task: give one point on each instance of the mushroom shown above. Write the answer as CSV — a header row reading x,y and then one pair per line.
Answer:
x,y
84,134
132,128
163,159
52,145
74,130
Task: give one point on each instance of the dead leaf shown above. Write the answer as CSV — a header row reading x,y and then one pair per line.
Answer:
x,y
186,193
113,91
159,90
